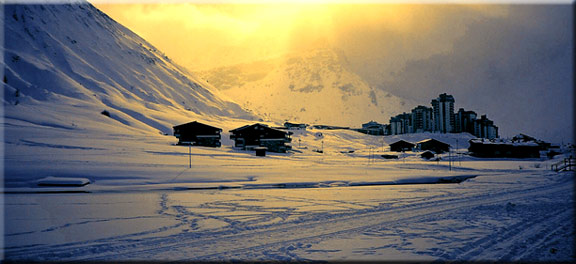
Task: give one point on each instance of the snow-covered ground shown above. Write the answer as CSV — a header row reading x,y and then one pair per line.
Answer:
x,y
67,64
145,203
500,215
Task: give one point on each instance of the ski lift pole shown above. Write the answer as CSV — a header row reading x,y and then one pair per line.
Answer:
x,y
449,159
459,154
190,154
403,157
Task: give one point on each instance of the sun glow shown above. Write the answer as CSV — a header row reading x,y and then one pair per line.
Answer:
x,y
202,36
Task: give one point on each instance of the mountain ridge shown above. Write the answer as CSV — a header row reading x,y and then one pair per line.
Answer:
x,y
74,54
315,86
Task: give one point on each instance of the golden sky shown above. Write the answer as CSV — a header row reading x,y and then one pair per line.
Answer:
x,y
415,51
202,36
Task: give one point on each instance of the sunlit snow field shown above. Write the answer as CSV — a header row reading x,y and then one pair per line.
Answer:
x,y
145,203
148,199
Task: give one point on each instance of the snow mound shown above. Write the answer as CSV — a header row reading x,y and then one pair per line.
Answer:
x,y
62,182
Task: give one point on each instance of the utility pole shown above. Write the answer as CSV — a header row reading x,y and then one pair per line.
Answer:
x,y
190,155
403,157
459,154
449,159
369,154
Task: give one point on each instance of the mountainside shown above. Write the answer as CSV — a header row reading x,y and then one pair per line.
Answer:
x,y
67,64
312,87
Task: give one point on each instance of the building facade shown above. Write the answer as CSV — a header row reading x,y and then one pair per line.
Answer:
x,y
259,135
198,134
485,128
464,121
373,128
440,118
401,124
422,119
443,113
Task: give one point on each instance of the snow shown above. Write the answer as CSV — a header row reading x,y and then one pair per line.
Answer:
x,y
60,181
498,216
313,87
505,142
145,203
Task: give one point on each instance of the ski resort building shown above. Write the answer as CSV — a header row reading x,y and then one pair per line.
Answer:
x,y
401,145
295,126
198,134
401,124
440,118
527,139
433,145
422,119
373,128
500,148
259,135
443,113
464,121
485,128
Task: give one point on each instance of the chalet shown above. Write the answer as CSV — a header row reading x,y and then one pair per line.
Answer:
x,y
198,134
372,128
258,135
294,126
500,148
433,145
525,138
401,145
327,127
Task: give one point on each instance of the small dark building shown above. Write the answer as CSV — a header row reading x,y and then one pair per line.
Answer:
x,y
372,128
401,145
260,151
295,126
493,149
327,127
427,154
198,134
258,135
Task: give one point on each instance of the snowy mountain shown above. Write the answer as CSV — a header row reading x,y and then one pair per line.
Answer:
x,y
71,66
312,87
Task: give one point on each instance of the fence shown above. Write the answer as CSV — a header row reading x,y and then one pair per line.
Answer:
x,y
568,164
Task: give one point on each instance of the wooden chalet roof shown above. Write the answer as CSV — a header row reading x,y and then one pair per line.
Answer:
x,y
402,143
257,126
432,141
194,125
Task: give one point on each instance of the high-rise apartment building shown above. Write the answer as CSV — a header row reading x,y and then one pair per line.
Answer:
x,y
443,113
422,119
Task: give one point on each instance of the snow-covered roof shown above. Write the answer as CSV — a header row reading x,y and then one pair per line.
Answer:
x,y
502,142
430,140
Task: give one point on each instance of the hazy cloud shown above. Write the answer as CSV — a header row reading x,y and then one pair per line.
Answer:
x,y
517,69
512,62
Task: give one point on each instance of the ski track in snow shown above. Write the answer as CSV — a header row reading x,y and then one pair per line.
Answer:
x,y
248,230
